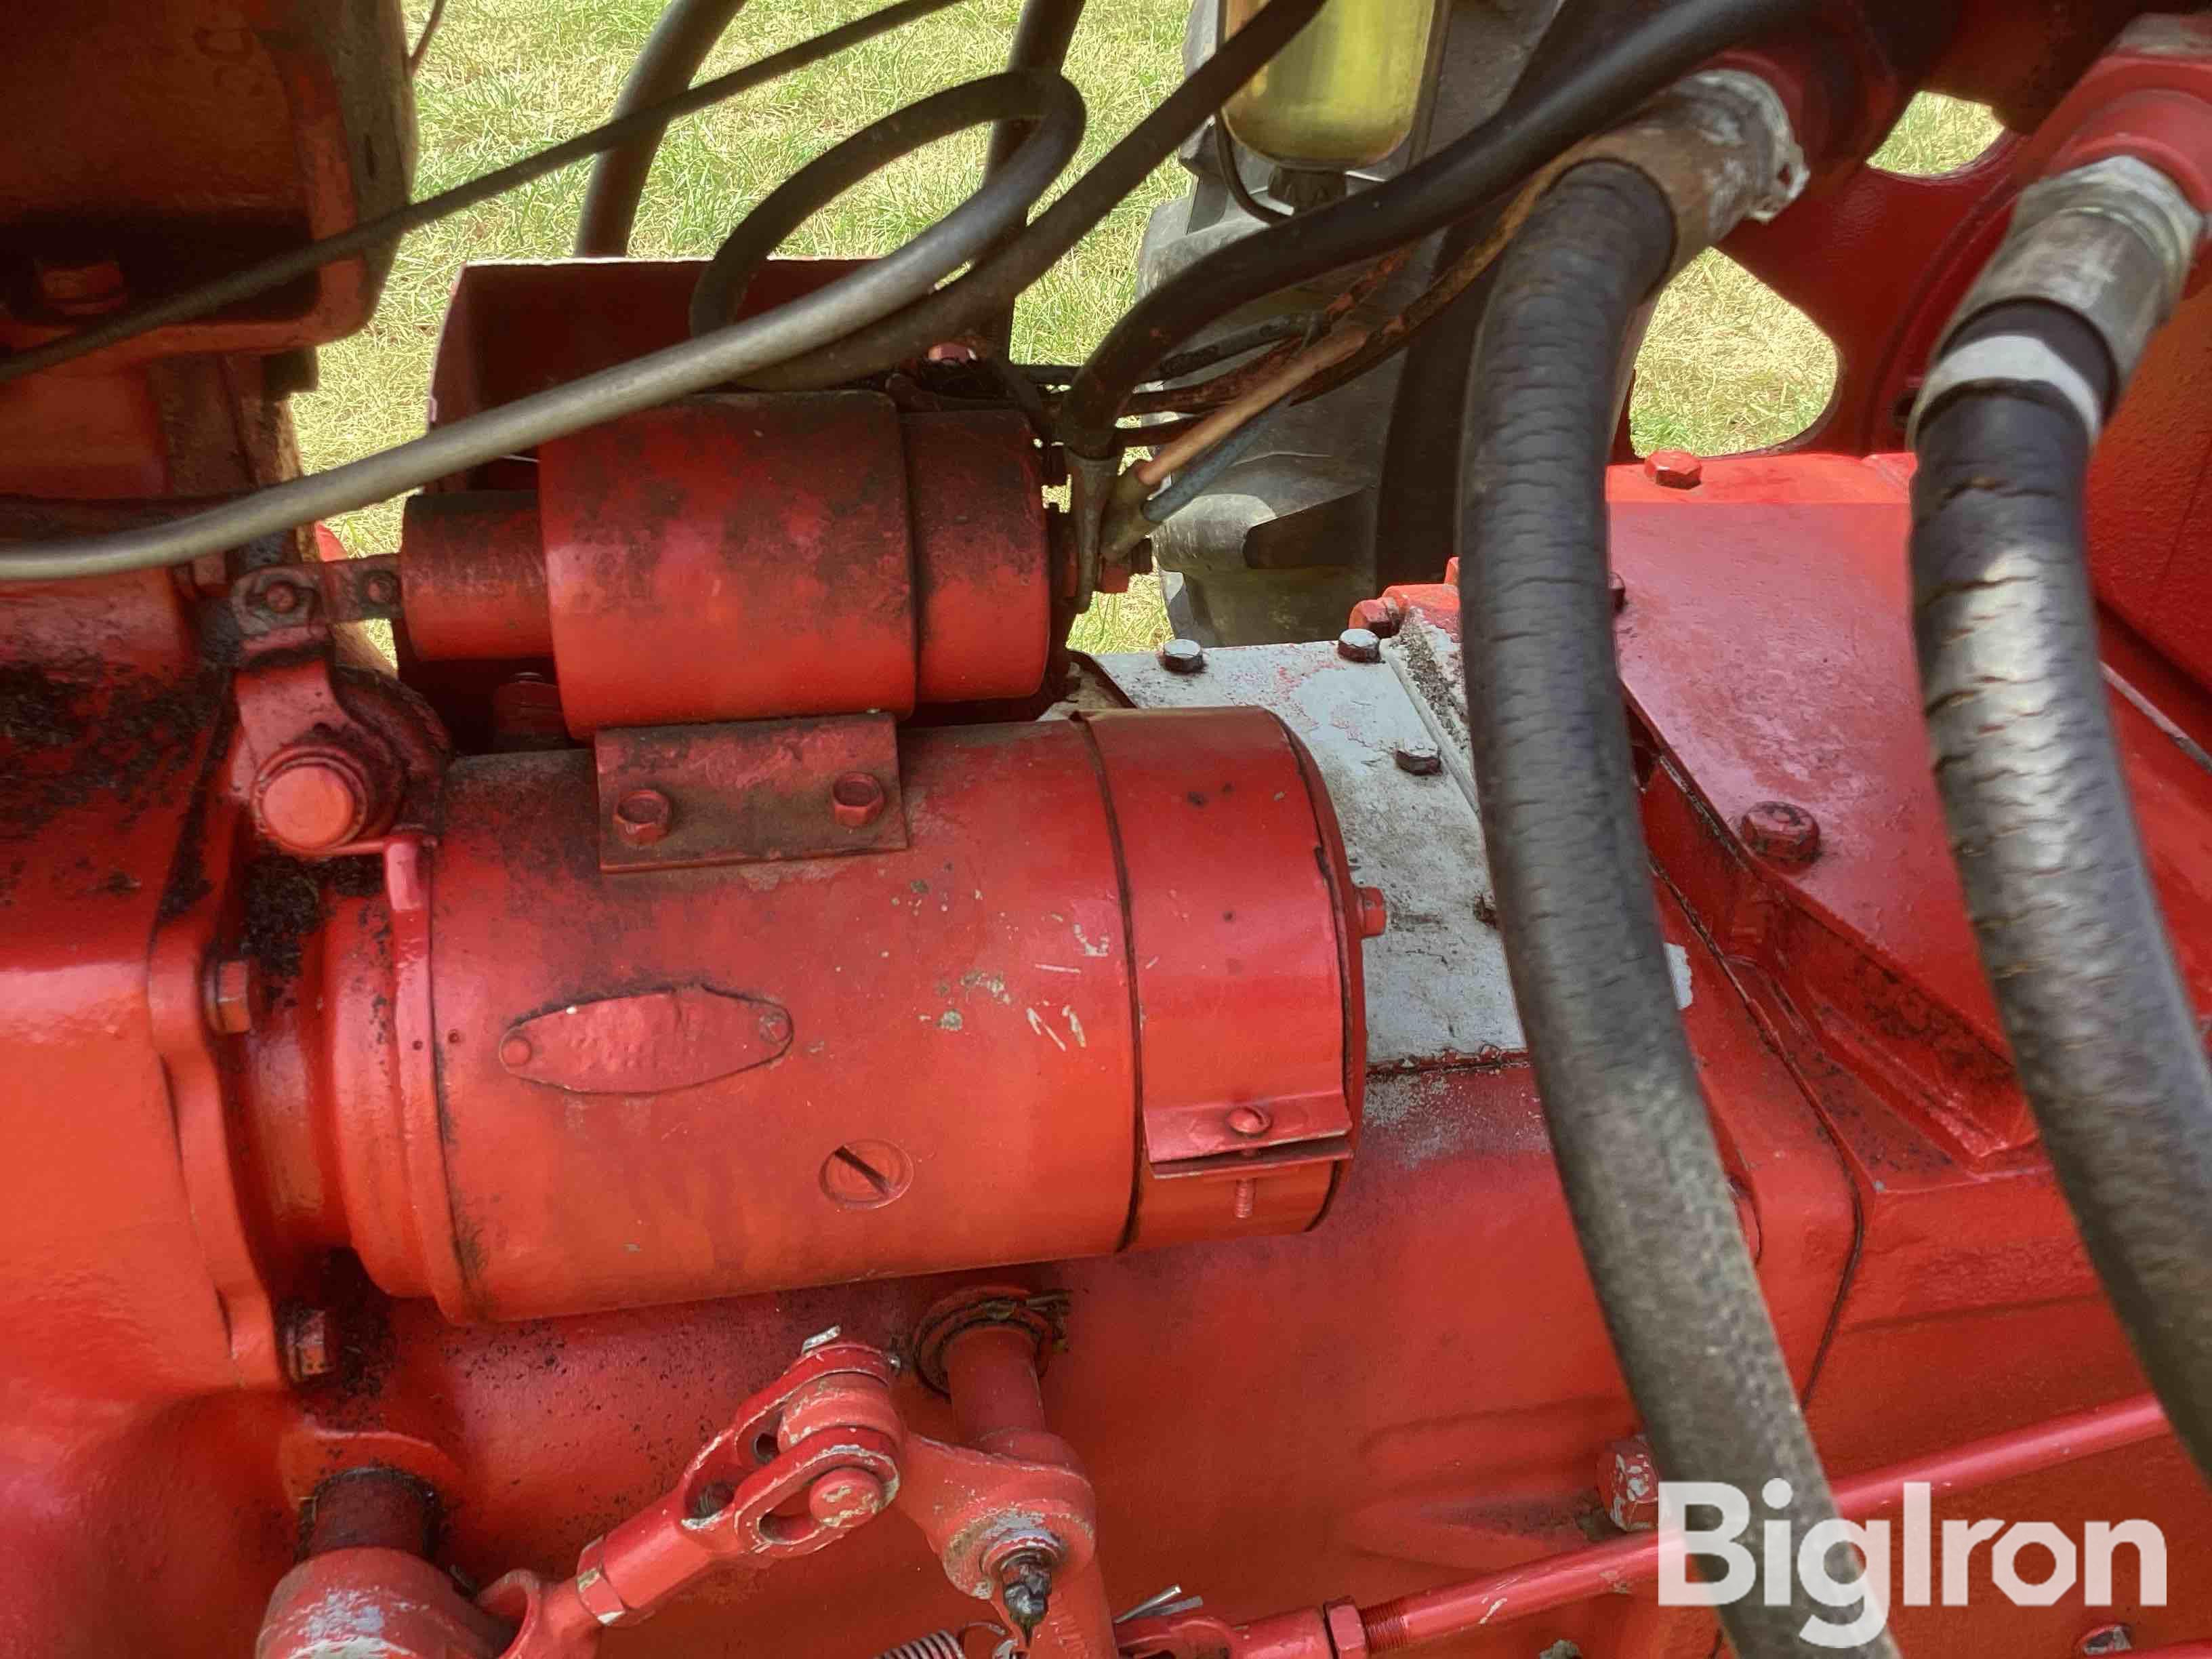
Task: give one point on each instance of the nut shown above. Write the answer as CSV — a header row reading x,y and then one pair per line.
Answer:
x,y
1382,617
1628,1482
1183,657
856,799
230,996
643,816
310,1344
1421,759
1249,1122
1675,469
1780,833
1359,645
1374,912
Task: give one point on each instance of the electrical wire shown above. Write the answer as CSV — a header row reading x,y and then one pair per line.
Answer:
x,y
848,315
963,307
1048,108
274,272
422,47
1224,156
1619,73
679,44
1041,37
851,301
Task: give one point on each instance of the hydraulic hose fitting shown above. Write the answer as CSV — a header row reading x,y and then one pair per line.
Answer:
x,y
2110,243
1719,146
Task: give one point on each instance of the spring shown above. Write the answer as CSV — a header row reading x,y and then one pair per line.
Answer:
x,y
937,1644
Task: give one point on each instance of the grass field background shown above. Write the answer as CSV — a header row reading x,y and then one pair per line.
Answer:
x,y
1727,365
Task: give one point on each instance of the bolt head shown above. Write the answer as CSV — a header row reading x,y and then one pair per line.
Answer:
x,y
311,800
1250,1121
230,996
845,1498
1619,590
279,599
1421,759
1675,469
856,799
80,288
775,1027
1382,617
643,816
1780,833
1359,645
1628,1482
1183,657
1374,912
382,588
515,1052
310,1344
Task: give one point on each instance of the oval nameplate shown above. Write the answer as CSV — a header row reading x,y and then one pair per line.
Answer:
x,y
647,1043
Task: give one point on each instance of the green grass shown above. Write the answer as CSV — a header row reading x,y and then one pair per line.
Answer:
x,y
1726,366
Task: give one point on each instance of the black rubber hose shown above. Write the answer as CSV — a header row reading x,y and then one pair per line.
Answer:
x,y
1618,73
992,285
2102,1033
1651,1201
681,41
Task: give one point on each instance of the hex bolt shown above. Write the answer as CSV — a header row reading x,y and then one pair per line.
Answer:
x,y
1025,1582
845,1498
230,996
1628,1484
1249,1122
1780,833
1382,617
310,1344
311,800
856,799
1421,759
1374,912
1675,469
642,818
1183,657
1359,645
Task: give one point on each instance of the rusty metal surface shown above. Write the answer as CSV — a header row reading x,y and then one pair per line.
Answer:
x,y
751,792
685,584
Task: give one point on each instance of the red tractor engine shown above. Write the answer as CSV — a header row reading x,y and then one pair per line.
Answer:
x,y
537,1142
